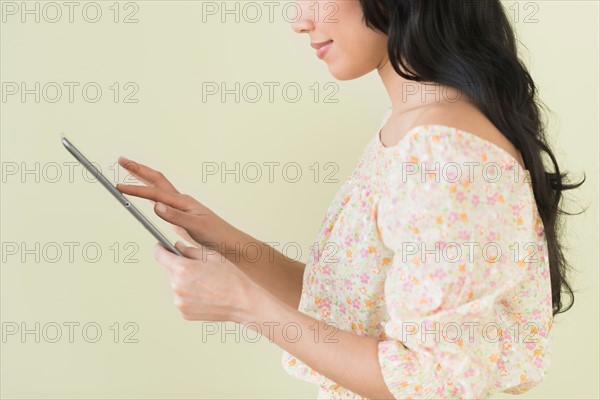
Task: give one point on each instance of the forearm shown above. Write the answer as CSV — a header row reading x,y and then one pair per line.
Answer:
x,y
348,359
278,274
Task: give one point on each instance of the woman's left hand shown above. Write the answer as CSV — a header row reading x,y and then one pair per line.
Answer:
x,y
206,286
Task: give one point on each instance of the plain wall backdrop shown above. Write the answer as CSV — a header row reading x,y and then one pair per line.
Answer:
x,y
77,265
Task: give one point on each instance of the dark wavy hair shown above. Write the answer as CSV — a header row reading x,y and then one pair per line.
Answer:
x,y
470,45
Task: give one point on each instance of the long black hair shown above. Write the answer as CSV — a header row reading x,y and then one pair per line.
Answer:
x,y
470,45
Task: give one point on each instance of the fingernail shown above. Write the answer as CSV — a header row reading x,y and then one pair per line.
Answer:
x,y
179,243
160,207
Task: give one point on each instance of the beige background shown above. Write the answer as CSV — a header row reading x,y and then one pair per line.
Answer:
x,y
168,54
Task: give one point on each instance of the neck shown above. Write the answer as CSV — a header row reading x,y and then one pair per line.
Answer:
x,y
406,95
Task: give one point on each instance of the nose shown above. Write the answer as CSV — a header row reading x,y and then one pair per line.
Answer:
x,y
303,25
303,22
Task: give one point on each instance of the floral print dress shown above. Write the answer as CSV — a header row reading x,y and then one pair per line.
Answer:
x,y
435,246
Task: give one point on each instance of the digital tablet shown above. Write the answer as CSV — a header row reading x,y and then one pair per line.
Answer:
x,y
119,196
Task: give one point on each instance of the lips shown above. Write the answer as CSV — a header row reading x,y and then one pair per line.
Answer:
x,y
317,46
322,48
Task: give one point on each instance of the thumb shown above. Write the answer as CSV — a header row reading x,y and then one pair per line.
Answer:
x,y
197,253
187,222
169,213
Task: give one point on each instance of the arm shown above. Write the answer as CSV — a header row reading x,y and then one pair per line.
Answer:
x,y
460,325
200,226
209,288
424,293
470,309
279,275
348,359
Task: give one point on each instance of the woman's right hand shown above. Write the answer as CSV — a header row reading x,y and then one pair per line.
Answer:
x,y
198,225
190,219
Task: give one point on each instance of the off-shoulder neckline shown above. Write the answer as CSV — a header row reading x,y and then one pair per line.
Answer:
x,y
423,127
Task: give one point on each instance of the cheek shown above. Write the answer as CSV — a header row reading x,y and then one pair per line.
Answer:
x,y
357,50
356,55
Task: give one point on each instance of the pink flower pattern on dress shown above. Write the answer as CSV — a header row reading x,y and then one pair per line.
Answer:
x,y
449,273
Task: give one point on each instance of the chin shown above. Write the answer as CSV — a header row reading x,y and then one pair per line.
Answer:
x,y
347,73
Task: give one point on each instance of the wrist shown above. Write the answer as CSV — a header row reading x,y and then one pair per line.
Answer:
x,y
261,306
247,251
234,243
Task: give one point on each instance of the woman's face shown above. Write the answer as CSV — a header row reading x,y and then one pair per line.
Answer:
x,y
355,49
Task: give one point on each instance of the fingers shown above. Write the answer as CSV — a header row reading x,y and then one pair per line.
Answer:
x,y
175,216
155,194
185,235
185,250
167,259
174,263
197,253
147,175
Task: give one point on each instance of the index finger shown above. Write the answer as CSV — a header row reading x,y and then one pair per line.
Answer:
x,y
175,200
147,175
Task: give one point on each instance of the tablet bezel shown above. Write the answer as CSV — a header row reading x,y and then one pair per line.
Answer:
x,y
124,201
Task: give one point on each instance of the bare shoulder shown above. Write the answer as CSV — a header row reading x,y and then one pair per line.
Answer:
x,y
467,117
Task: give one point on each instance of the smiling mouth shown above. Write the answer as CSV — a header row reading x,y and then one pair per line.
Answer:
x,y
322,48
318,46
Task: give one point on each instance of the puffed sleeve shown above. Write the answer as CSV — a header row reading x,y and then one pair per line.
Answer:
x,y
468,289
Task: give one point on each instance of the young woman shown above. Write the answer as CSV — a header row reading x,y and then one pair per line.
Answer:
x,y
440,268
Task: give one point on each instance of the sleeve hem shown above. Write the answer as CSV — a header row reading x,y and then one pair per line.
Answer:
x,y
403,378
407,378
387,370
